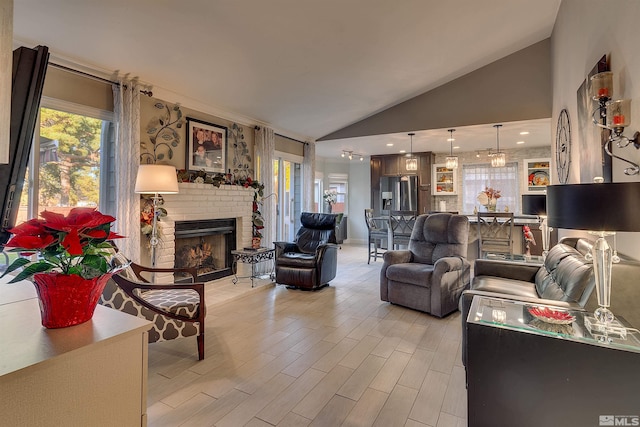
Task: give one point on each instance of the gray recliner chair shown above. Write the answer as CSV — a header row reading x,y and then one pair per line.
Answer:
x,y
432,273
311,261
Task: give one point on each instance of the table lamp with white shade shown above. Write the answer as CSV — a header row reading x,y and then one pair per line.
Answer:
x,y
156,180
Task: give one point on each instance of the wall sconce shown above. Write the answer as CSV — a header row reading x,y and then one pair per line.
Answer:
x,y
498,159
451,161
411,163
614,115
349,154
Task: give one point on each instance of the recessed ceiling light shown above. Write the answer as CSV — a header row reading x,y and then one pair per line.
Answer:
x,y
524,133
520,142
450,139
455,147
403,151
390,144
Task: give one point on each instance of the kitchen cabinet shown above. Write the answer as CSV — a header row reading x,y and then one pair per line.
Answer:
x,y
536,175
394,165
444,180
390,165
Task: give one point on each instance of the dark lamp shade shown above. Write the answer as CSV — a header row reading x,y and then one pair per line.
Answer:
x,y
594,207
534,204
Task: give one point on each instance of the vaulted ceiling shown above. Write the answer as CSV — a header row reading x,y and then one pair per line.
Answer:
x,y
306,68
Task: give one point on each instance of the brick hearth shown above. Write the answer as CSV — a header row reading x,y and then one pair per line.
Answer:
x,y
203,201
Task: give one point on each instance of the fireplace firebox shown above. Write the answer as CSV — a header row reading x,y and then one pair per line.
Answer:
x,y
206,245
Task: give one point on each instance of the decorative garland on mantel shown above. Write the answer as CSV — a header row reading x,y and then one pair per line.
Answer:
x,y
218,179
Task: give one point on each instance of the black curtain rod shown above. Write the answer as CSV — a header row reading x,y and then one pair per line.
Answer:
x,y
295,140
71,70
282,136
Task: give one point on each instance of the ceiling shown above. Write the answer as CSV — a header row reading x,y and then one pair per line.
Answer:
x,y
468,138
306,68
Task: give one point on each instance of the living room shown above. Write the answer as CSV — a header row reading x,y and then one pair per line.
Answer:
x,y
582,32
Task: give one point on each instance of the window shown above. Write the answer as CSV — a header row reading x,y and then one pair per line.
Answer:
x,y
476,177
317,194
72,161
287,180
338,185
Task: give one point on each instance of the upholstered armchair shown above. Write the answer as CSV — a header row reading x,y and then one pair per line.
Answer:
x,y
432,273
176,310
311,261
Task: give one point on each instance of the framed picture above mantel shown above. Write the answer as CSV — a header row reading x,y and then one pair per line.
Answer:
x,y
206,146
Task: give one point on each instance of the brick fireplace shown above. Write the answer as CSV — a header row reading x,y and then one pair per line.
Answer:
x,y
198,202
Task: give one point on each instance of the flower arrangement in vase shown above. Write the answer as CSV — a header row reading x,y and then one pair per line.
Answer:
x,y
330,197
71,268
489,198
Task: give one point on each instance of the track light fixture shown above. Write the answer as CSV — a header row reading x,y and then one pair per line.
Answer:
x,y
350,155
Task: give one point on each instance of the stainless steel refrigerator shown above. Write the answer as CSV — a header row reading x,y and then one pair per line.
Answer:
x,y
399,193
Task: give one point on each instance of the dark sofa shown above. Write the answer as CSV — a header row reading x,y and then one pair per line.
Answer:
x,y
565,280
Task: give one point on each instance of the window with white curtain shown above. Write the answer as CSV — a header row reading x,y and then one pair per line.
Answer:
x,y
478,176
72,161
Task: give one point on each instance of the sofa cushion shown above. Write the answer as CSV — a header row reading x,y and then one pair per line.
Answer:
x,y
565,276
413,273
297,259
437,236
519,288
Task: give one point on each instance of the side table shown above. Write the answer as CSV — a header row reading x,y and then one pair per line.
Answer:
x,y
252,257
522,371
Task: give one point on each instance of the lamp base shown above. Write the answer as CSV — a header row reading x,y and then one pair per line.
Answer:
x,y
613,328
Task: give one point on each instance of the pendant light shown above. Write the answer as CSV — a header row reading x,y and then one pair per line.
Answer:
x,y
498,159
452,161
411,163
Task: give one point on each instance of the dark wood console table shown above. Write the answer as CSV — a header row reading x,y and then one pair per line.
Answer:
x,y
525,372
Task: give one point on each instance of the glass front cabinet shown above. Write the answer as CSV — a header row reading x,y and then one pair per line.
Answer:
x,y
536,174
443,181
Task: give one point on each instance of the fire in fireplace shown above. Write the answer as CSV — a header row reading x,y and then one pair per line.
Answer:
x,y
207,245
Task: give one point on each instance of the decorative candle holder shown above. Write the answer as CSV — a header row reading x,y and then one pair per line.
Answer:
x,y
602,86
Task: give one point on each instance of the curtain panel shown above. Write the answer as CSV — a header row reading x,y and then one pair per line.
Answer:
x,y
308,176
126,100
264,153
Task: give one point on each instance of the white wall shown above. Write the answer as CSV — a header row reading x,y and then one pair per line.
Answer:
x,y
359,200
359,192
584,31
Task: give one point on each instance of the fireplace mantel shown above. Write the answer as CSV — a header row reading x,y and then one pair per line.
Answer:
x,y
198,202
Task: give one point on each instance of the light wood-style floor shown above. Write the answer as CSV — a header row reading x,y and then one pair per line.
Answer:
x,y
334,357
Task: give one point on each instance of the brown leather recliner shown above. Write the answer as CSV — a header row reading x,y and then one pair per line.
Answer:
x,y
311,261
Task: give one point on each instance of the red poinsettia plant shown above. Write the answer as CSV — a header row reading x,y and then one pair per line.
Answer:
x,y
73,244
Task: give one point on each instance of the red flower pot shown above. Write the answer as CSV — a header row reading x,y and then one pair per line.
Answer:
x,y
67,300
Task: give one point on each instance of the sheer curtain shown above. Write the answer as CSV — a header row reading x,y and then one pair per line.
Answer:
x,y
308,176
264,152
126,100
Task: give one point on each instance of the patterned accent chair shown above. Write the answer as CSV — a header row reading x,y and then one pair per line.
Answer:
x,y
176,310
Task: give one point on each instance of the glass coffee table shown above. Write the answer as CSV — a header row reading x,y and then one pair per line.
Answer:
x,y
528,259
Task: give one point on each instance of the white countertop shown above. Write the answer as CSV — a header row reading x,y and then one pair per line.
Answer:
x,y
24,342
